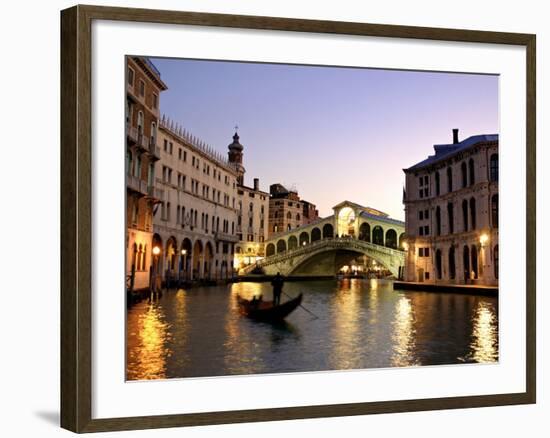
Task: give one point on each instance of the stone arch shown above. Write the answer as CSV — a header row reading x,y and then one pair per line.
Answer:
x,y
197,257
304,238
364,232
270,249
171,254
391,238
281,246
187,246
315,234
157,260
328,231
438,264
208,258
378,235
292,242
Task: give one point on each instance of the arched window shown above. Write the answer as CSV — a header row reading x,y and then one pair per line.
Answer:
x,y
298,216
473,214
378,235
129,162
437,184
471,170
449,179
438,221
289,215
276,214
137,170
466,262
451,217
495,261
494,211
473,257
464,173
140,123
251,207
438,264
134,255
493,167
153,134
144,258
139,256
288,227
452,264
465,215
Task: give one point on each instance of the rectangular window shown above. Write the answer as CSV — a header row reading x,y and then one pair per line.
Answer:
x,y
426,230
420,252
184,155
421,231
155,101
420,215
141,88
426,252
427,275
130,76
420,192
426,214
165,145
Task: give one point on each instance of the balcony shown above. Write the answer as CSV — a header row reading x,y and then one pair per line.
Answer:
x,y
155,194
136,184
153,149
226,237
132,133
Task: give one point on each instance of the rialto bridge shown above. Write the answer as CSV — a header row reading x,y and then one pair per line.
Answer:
x,y
324,246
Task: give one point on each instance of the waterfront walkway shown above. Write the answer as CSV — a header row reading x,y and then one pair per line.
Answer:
x,y
473,289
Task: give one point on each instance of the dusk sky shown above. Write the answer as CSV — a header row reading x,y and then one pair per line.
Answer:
x,y
333,133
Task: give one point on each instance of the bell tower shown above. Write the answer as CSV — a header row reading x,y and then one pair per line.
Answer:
x,y
235,156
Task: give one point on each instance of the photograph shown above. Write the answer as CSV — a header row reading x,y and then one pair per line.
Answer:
x,y
286,218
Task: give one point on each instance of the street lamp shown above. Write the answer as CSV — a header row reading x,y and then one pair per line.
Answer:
x,y
405,246
156,252
483,239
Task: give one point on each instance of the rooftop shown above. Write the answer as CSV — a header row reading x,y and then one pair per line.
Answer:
x,y
445,151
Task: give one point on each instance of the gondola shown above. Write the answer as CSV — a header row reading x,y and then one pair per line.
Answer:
x,y
261,310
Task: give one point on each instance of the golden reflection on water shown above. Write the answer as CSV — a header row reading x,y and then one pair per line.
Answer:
x,y
345,326
485,334
403,335
146,346
241,356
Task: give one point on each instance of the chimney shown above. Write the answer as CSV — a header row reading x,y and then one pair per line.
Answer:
x,y
256,184
455,135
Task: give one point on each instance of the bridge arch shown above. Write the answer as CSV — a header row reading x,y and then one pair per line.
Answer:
x,y
270,249
304,238
364,232
378,235
315,234
328,231
281,245
391,238
292,242
401,240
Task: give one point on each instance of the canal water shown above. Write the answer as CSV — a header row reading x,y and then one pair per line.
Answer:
x,y
360,324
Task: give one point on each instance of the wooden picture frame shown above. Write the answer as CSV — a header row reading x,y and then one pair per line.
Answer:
x,y
76,218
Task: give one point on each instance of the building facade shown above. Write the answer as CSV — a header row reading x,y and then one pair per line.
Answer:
x,y
287,211
143,89
195,222
252,212
452,214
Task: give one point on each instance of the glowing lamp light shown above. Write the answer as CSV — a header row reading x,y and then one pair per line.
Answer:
x,y
483,239
183,251
405,246
156,250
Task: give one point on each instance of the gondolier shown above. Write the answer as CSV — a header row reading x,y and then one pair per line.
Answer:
x,y
277,284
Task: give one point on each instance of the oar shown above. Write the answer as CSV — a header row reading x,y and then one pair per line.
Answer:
x,y
305,308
